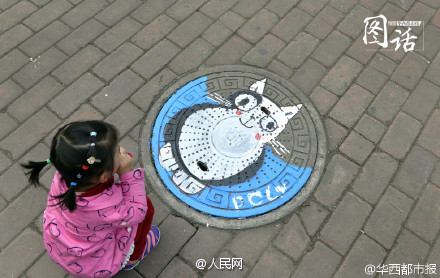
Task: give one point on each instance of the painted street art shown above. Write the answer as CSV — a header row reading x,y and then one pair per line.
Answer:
x,y
233,145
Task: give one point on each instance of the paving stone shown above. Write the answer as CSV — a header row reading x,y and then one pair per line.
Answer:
x,y
431,133
47,266
415,171
387,218
406,4
419,12
7,3
28,246
215,272
81,36
12,182
308,75
13,37
365,251
47,14
22,210
373,5
177,268
80,63
232,20
435,254
120,89
11,62
436,19
388,102
428,40
370,128
69,99
191,57
190,29
272,262
247,8
375,177
184,8
117,61
350,106
383,64
280,69
230,52
175,232
217,33
5,162
216,8
422,100
117,10
144,97
16,14
335,133
161,210
293,238
410,70
312,215
152,61
298,50
312,7
341,75
351,25
400,136
258,26
331,48
249,244
319,28
321,256
362,52
281,7
435,177
356,147
118,34
351,213
9,90
338,174
29,133
291,24
125,117
431,3
427,208
151,9
343,5
8,124
83,12
204,244
432,73
372,80
154,32
409,249
323,99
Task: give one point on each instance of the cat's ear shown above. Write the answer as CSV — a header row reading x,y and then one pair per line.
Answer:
x,y
291,111
258,86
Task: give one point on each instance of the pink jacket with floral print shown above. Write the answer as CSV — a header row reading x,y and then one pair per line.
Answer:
x,y
94,240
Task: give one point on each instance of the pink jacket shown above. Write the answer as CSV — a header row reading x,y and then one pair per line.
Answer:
x,y
94,240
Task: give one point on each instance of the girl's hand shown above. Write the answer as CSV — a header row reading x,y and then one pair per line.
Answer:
x,y
126,162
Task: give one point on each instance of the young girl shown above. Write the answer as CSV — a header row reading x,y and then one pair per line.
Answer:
x,y
92,225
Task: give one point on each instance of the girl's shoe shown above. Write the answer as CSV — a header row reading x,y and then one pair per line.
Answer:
x,y
153,238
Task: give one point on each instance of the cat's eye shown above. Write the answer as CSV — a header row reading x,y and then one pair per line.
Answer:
x,y
265,110
246,102
268,124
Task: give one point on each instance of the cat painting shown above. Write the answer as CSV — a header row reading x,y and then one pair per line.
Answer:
x,y
222,144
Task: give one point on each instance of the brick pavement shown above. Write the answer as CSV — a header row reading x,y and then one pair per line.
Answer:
x,y
378,200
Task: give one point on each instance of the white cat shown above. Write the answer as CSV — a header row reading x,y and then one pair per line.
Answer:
x,y
223,144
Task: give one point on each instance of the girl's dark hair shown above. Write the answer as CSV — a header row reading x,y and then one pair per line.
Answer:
x,y
71,147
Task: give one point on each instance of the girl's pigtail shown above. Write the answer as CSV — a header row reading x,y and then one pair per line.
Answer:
x,y
70,199
34,171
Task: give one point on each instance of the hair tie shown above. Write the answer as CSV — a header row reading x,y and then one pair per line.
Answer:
x,y
48,161
73,183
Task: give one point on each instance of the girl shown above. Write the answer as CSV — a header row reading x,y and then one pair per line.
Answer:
x,y
92,225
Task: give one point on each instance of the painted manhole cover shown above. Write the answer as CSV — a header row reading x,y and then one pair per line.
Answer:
x,y
233,146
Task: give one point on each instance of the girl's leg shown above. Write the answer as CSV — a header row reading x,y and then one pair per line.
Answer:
x,y
140,240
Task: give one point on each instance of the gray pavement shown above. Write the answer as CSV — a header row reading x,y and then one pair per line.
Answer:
x,y
378,201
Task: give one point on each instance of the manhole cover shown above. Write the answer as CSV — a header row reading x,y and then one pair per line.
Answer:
x,y
233,146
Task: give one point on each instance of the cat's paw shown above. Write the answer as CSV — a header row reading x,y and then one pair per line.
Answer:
x,y
187,184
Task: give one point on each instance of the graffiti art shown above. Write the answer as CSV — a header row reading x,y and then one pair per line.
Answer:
x,y
234,144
